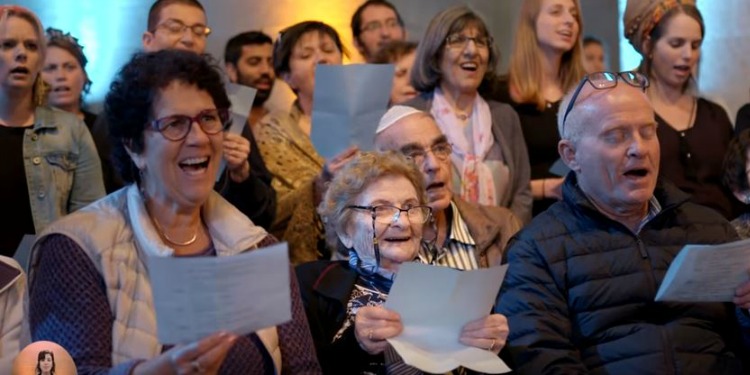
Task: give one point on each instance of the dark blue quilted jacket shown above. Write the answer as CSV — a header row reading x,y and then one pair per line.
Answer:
x,y
579,294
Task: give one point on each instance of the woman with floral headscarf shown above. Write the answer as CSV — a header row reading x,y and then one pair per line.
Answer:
x,y
693,132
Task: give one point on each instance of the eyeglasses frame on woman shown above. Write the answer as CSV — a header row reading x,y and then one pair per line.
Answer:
x,y
395,218
162,124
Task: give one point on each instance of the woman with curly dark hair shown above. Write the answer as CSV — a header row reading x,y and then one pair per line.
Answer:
x,y
90,290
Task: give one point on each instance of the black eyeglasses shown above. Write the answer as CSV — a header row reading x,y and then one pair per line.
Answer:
x,y
174,26
603,81
177,127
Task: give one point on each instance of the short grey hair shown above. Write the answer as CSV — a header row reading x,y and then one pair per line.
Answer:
x,y
354,178
572,128
426,74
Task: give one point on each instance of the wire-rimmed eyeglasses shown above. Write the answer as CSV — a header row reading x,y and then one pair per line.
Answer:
x,y
385,214
603,81
177,127
174,26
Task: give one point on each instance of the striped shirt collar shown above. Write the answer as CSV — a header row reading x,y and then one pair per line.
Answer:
x,y
653,209
458,251
459,231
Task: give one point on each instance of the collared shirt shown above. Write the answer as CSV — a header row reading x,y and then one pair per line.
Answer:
x,y
653,209
459,249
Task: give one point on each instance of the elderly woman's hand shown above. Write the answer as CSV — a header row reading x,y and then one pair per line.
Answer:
x,y
489,332
200,357
373,325
236,152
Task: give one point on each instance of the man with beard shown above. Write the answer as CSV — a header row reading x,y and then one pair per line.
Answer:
x,y
248,59
375,24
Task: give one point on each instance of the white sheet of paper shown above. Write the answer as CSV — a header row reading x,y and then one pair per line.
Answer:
x,y
706,273
197,296
435,303
349,101
242,98
23,251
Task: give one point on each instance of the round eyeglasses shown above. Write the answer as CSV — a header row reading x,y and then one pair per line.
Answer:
x,y
177,127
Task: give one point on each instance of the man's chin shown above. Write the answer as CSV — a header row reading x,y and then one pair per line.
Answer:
x,y
261,96
439,202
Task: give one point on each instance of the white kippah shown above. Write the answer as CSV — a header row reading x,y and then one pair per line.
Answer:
x,y
395,113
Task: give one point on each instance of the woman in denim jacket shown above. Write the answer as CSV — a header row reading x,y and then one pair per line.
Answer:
x,y
48,155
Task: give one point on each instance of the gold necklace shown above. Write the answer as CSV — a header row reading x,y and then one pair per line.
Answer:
x,y
173,242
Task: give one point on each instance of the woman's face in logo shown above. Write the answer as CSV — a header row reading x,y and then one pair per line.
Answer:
x,y
46,363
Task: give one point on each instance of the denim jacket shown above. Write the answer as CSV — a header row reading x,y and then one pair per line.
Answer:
x,y
63,171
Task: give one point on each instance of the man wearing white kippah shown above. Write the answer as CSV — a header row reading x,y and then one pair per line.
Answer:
x,y
460,234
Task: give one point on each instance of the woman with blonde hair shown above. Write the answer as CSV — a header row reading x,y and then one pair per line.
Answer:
x,y
50,166
546,62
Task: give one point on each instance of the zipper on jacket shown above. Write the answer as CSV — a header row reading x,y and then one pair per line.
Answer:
x,y
641,248
646,264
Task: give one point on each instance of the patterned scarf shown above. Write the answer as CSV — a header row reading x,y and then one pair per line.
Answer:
x,y
477,184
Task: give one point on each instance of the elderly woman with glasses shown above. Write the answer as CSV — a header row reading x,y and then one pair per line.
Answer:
x,y
90,290
374,210
693,132
455,56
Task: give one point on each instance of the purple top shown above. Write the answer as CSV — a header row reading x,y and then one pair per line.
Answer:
x,y
69,306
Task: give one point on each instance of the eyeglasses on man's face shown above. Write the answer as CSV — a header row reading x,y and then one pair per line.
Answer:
x,y
442,151
174,26
177,127
385,214
373,26
604,81
461,41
